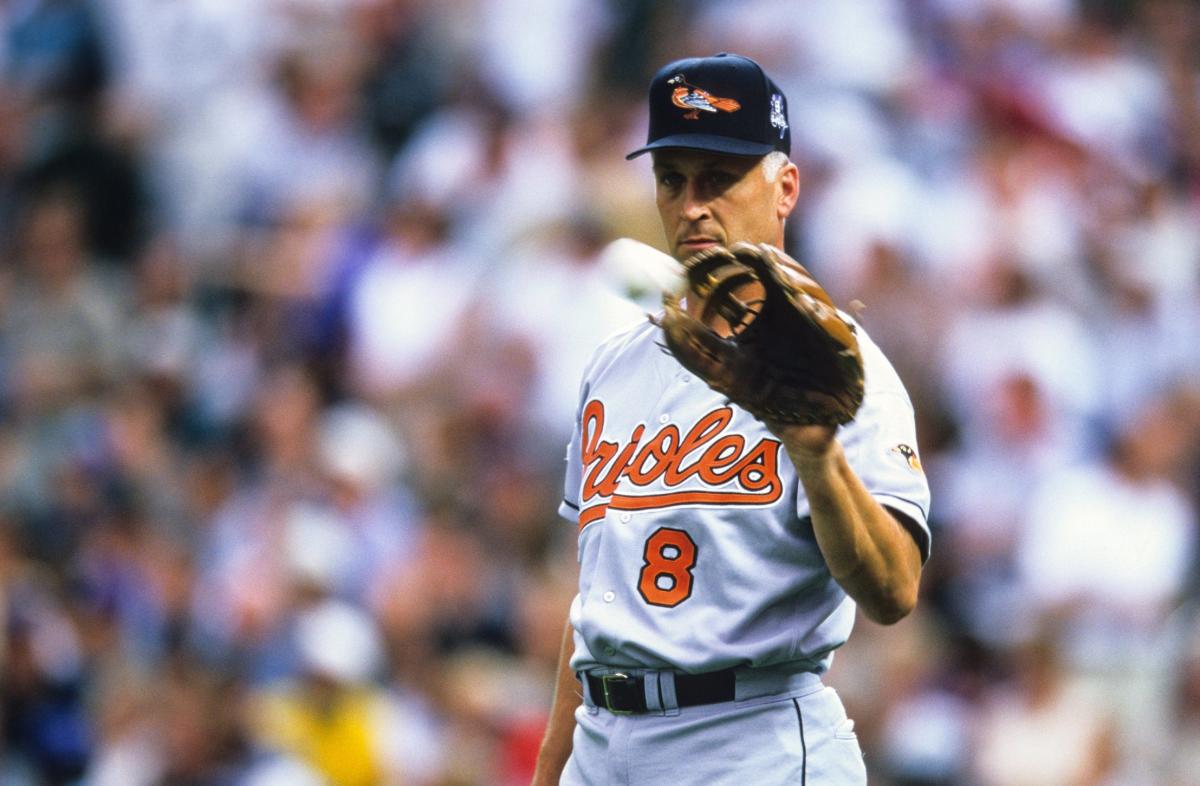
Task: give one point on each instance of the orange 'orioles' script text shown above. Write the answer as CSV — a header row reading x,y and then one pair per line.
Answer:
x,y
705,453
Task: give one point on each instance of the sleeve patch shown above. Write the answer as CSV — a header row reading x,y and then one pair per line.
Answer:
x,y
909,454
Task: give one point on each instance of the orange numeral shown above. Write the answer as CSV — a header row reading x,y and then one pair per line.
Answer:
x,y
666,579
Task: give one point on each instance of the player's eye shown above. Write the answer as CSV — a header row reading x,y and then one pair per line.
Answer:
x,y
718,180
671,180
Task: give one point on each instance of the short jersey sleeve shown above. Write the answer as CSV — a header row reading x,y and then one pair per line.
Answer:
x,y
881,446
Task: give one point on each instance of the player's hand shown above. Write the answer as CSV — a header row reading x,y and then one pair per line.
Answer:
x,y
804,443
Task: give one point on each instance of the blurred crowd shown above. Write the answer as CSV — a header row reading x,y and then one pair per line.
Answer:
x,y
294,300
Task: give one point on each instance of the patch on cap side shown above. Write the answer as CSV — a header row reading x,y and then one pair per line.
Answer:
x,y
778,116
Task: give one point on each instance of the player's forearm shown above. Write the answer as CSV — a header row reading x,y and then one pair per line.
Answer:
x,y
556,744
868,552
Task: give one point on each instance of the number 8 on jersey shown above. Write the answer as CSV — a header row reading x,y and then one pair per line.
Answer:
x,y
668,559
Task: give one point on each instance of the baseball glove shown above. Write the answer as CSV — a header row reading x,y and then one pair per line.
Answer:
x,y
791,358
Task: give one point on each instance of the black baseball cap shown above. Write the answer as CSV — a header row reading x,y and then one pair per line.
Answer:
x,y
725,103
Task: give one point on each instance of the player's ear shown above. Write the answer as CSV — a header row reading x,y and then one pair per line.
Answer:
x,y
788,192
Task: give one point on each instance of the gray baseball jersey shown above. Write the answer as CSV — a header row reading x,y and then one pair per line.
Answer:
x,y
695,547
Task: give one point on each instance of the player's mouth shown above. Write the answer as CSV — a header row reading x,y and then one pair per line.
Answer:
x,y
693,244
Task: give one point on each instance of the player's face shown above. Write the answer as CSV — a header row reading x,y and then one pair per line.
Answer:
x,y
707,199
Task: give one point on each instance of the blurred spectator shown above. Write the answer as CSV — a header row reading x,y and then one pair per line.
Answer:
x,y
333,717
312,145
909,697
1044,730
63,317
1017,331
1108,546
44,717
405,304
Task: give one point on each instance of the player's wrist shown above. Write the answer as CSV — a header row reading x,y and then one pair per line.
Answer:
x,y
810,446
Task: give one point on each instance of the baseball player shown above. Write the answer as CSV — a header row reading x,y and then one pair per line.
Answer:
x,y
723,551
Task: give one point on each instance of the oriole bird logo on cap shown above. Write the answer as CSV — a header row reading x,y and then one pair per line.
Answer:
x,y
695,100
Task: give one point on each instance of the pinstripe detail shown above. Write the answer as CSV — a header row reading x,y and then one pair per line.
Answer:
x,y
803,746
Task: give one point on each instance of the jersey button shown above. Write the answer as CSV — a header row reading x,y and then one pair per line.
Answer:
x,y
664,417
610,596
625,517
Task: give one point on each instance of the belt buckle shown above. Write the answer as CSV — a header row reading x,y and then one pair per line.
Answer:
x,y
613,683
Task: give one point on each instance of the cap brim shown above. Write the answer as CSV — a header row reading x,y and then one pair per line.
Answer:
x,y
708,142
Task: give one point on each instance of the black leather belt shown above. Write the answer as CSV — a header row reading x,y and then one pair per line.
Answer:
x,y
626,693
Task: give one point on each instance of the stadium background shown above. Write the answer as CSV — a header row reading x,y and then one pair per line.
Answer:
x,y
294,297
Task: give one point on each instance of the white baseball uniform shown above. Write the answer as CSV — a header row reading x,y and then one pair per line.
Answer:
x,y
697,555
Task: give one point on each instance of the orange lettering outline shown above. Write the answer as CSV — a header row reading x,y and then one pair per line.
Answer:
x,y
724,459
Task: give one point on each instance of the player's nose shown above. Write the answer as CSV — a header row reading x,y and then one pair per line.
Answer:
x,y
694,206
